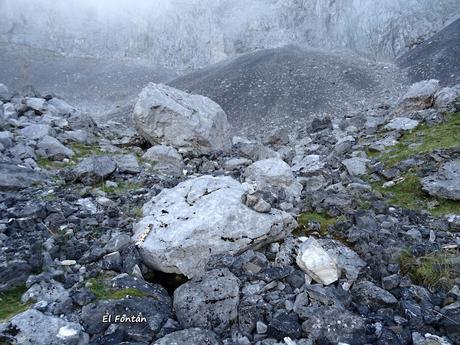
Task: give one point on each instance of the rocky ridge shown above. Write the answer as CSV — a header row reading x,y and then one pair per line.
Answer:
x,y
99,227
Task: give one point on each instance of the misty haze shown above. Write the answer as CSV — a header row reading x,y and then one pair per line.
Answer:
x,y
229,172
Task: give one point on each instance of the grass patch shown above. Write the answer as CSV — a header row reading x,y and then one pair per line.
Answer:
x,y
122,188
80,151
102,292
48,197
324,221
425,139
136,212
10,303
83,150
409,194
432,271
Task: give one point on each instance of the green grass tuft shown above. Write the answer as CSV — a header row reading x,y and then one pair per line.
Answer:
x,y
102,292
10,303
122,188
324,220
432,271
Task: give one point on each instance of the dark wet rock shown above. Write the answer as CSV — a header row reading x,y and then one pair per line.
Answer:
x,y
284,325
14,273
450,321
319,124
368,293
154,307
209,302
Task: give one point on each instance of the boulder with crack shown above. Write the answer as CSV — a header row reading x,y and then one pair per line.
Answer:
x,y
184,226
190,123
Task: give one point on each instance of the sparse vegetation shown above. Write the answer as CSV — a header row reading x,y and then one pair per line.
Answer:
x,y
424,140
409,194
122,188
322,219
49,197
137,212
100,289
10,302
80,151
432,271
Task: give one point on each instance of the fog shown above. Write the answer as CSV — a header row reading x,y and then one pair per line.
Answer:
x,y
187,34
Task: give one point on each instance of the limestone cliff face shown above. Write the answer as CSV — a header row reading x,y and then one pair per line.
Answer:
x,y
185,35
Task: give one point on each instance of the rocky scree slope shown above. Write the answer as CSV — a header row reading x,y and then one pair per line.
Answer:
x,y
437,57
287,86
343,232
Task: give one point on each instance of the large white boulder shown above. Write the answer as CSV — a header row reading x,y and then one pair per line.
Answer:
x,y
274,173
183,226
190,123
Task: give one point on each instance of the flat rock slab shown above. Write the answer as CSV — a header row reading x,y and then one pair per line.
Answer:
x,y
402,124
184,226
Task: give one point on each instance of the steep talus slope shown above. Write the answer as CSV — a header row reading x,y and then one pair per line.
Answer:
x,y
437,57
270,86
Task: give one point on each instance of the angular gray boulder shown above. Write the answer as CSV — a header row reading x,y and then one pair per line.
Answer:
x,y
184,226
209,302
274,173
14,177
50,147
190,123
418,97
94,169
446,183
166,160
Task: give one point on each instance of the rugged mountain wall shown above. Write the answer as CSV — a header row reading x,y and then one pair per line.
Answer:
x,y
189,34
